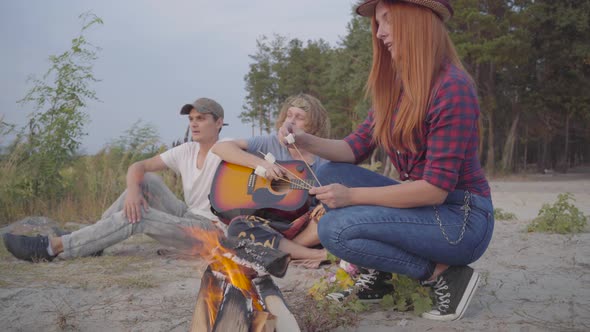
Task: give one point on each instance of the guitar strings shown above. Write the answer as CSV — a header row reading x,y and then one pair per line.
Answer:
x,y
303,185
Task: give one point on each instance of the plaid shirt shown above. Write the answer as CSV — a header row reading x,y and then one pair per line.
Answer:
x,y
447,150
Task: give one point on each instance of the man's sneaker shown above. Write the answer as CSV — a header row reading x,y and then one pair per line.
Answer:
x,y
453,291
370,287
28,248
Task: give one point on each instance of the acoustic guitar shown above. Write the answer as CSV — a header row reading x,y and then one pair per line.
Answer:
x,y
236,190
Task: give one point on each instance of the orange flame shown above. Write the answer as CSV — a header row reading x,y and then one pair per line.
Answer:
x,y
219,258
213,299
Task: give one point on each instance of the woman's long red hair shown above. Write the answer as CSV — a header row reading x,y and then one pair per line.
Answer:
x,y
421,45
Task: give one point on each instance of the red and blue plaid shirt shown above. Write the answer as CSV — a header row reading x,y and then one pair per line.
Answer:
x,y
447,150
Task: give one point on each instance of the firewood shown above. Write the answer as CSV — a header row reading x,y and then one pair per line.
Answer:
x,y
275,304
234,313
209,285
222,306
260,258
263,321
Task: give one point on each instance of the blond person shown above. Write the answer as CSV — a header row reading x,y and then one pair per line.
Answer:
x,y
297,237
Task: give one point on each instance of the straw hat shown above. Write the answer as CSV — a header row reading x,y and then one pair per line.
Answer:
x,y
441,7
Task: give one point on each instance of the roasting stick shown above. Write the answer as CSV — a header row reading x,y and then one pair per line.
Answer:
x,y
271,159
261,171
291,140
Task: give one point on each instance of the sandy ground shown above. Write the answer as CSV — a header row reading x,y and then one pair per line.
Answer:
x,y
531,281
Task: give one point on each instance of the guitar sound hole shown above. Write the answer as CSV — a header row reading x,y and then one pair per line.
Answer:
x,y
279,185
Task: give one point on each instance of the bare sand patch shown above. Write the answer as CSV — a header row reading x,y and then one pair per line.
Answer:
x,y
532,282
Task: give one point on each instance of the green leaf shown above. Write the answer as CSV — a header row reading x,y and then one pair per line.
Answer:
x,y
421,303
387,301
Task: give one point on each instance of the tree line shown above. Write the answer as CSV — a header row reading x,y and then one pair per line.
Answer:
x,y
530,60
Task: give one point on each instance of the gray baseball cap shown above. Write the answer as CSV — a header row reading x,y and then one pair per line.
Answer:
x,y
204,105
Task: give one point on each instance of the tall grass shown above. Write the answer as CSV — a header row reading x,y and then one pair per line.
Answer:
x,y
89,184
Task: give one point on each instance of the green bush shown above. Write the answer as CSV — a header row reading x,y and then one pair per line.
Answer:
x,y
55,129
316,313
561,217
500,214
409,295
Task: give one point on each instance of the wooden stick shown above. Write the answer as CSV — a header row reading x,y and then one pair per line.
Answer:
x,y
285,169
288,171
309,167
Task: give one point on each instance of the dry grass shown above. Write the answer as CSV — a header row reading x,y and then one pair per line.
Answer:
x,y
107,271
85,272
88,272
90,185
4,253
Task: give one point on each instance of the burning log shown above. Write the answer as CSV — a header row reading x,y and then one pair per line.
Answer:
x,y
260,258
237,293
222,306
216,248
203,316
233,314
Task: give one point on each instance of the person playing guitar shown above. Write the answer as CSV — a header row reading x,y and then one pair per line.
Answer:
x,y
278,224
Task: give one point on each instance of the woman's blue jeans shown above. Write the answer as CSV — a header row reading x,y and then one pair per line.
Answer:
x,y
404,241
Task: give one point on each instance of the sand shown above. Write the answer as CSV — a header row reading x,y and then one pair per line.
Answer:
x,y
531,281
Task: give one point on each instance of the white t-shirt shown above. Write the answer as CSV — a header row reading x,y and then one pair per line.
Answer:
x,y
196,183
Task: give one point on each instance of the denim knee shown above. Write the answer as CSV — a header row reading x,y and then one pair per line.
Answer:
x,y
152,178
326,232
325,173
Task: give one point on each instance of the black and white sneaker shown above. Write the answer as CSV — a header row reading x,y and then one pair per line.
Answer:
x,y
370,287
453,291
28,248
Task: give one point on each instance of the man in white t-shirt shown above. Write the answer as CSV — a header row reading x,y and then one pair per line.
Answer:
x,y
147,206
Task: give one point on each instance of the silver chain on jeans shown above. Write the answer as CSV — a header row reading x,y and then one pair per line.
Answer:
x,y
466,208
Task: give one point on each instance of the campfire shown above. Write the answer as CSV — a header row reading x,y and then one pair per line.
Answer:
x,y
237,292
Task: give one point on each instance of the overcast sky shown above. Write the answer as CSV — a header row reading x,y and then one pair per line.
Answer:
x,y
156,55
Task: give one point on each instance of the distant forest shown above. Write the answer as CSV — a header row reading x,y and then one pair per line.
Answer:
x,y
529,59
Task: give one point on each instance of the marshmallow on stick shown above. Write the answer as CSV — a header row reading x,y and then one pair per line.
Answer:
x,y
270,158
260,171
290,138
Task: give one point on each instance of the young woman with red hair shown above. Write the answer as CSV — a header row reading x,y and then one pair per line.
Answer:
x,y
425,115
